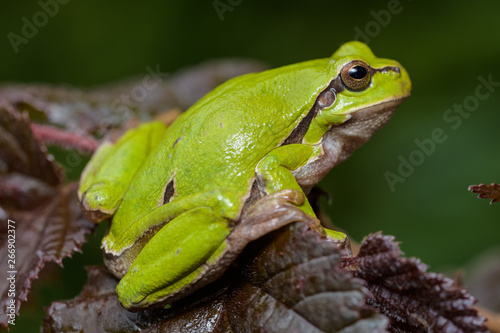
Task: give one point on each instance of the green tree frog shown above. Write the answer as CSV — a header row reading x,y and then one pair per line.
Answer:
x,y
186,198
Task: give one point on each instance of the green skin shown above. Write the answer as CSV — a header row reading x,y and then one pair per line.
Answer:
x,y
176,193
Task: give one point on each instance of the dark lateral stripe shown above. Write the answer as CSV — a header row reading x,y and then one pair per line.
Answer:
x,y
299,132
169,191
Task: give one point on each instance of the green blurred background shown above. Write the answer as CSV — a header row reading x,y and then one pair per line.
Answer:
x,y
445,46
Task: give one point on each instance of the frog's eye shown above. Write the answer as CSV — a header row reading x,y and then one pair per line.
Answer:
x,y
355,75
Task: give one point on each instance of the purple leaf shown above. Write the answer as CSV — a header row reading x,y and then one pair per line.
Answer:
x,y
50,232
288,281
43,221
401,289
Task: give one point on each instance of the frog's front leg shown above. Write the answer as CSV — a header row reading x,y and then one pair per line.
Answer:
x,y
275,171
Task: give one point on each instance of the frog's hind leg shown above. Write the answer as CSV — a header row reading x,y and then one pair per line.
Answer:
x,y
107,176
198,245
173,258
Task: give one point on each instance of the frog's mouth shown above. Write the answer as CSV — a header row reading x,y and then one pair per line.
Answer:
x,y
363,123
343,139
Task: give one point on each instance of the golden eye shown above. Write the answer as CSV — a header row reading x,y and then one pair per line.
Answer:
x,y
355,75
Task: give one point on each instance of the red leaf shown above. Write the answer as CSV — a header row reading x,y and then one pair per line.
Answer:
x,y
46,222
51,232
21,152
487,191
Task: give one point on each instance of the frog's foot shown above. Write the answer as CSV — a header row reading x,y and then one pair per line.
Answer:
x,y
98,202
107,176
268,214
279,209
274,211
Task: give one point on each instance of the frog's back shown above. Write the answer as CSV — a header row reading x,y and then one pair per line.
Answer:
x,y
217,143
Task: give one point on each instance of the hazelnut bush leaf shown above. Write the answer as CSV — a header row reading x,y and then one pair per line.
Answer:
x,y
416,301
289,280
47,222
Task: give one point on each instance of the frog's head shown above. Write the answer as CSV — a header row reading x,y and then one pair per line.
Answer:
x,y
362,83
361,97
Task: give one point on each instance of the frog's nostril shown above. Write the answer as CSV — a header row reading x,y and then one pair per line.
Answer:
x,y
387,69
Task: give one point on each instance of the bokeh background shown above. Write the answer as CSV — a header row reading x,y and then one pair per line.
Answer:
x,y
445,46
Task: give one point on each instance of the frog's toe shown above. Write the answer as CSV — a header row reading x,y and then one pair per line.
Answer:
x,y
293,196
273,212
98,202
339,238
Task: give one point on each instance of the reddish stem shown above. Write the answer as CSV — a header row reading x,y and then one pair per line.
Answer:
x,y
56,136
